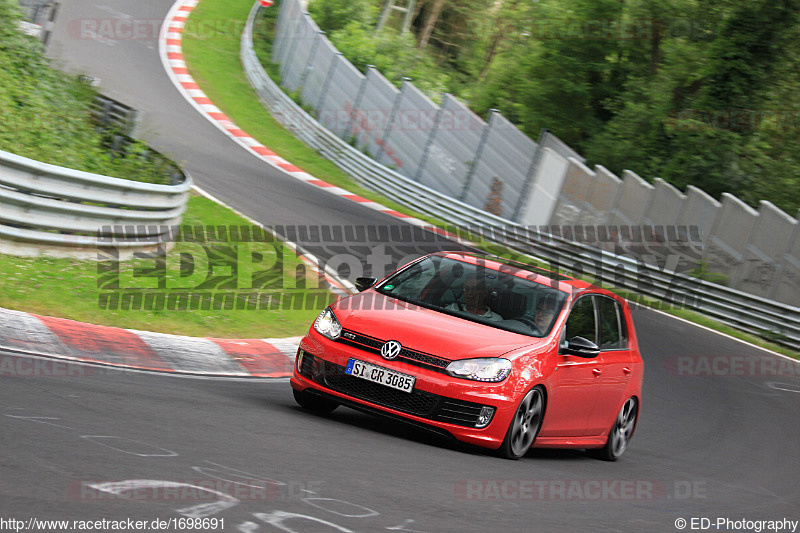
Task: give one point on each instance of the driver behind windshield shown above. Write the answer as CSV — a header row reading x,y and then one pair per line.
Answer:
x,y
475,298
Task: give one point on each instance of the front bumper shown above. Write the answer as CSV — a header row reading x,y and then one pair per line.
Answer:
x,y
438,401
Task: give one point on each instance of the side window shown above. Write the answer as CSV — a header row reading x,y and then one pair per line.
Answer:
x,y
613,333
581,321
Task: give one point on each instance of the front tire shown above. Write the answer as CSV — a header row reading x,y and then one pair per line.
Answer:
x,y
314,403
621,433
525,425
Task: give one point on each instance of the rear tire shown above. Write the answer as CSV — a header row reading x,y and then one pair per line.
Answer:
x,y
621,433
314,403
525,426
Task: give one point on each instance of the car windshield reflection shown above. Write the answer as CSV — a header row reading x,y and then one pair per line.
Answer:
x,y
475,292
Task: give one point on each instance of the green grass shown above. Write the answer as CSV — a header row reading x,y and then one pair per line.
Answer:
x,y
71,288
46,114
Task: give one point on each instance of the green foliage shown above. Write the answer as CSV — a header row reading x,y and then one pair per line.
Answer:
x,y
46,114
719,109
394,54
334,15
699,92
696,92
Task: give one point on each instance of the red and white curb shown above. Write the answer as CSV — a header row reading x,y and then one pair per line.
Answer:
x,y
171,52
68,340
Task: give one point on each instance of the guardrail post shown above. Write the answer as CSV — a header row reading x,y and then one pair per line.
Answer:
x,y
357,103
390,122
293,45
526,187
48,26
278,41
311,58
478,153
429,143
328,78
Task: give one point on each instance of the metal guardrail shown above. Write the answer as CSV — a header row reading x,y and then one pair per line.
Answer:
x,y
776,321
112,115
43,204
40,17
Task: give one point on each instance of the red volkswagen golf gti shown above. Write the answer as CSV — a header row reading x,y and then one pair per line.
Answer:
x,y
494,353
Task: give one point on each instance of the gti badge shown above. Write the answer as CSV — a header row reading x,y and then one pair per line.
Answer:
x,y
390,350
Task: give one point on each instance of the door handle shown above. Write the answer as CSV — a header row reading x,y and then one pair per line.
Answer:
x,y
627,370
597,371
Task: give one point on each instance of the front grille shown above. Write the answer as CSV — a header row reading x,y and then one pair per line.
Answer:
x,y
416,402
419,403
371,344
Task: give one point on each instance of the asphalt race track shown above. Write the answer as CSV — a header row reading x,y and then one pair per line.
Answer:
x,y
706,446
718,435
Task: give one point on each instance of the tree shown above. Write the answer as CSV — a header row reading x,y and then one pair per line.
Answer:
x,y
430,22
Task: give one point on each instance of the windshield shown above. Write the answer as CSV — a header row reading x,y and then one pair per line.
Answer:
x,y
479,294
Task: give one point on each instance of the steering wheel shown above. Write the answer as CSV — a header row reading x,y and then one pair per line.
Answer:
x,y
531,324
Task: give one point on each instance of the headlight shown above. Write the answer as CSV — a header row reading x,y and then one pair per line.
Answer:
x,y
326,324
490,369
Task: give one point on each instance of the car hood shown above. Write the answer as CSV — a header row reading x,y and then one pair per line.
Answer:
x,y
425,330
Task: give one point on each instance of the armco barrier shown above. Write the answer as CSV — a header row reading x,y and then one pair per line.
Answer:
x,y
61,209
746,312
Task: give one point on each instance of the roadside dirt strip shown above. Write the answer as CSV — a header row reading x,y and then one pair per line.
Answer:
x,y
69,340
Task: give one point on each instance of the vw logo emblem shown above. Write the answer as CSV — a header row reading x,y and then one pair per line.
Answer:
x,y
390,350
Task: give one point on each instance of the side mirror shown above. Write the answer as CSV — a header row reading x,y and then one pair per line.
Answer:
x,y
581,347
365,282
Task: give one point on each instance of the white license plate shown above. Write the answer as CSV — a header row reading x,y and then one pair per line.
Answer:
x,y
378,374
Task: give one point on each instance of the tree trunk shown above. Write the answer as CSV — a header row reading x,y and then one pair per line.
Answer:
x,y
655,48
430,23
499,34
490,55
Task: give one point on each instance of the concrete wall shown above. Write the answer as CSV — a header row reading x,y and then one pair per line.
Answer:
x,y
787,286
493,166
768,244
540,206
487,164
633,201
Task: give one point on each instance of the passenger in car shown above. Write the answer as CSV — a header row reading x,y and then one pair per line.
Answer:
x,y
545,311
